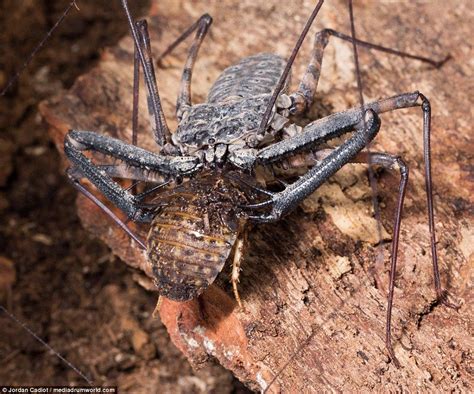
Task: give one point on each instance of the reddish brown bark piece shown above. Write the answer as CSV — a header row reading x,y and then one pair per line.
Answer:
x,y
313,274
210,327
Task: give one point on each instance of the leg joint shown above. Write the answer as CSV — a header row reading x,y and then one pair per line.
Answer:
x,y
322,36
404,171
425,103
206,19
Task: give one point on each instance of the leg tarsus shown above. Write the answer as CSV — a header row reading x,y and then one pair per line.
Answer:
x,y
136,91
236,292
426,108
392,162
443,299
391,354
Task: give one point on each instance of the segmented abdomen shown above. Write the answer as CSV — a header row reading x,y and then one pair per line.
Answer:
x,y
252,76
186,246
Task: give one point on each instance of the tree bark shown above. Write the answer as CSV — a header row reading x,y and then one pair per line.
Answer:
x,y
314,295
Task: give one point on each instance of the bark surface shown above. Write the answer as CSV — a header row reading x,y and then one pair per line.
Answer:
x,y
313,290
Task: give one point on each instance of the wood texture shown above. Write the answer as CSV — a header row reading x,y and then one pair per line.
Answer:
x,y
314,298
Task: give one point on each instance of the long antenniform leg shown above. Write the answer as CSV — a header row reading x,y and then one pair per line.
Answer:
x,y
12,80
136,90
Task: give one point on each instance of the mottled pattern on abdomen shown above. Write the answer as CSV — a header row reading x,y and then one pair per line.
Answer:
x,y
192,235
252,76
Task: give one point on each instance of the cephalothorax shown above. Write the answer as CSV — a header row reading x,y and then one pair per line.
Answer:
x,y
207,190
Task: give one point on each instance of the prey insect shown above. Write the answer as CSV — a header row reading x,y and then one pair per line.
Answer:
x,y
206,191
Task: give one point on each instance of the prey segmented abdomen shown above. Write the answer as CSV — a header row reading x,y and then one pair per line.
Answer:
x,y
187,251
